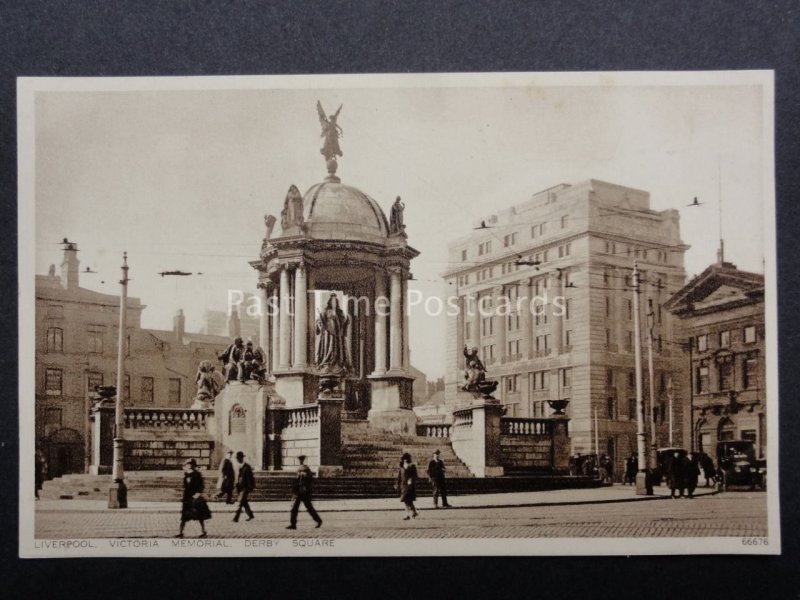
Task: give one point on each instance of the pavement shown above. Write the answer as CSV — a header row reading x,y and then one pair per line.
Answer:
x,y
614,511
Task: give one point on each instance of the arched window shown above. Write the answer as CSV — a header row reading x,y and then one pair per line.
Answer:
x,y
726,430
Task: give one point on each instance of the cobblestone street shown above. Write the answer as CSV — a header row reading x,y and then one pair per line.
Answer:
x,y
608,512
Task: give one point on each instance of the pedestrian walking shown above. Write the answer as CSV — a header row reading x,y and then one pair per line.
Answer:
x,y
707,464
675,475
438,481
631,467
245,484
193,506
691,473
607,469
407,485
227,478
301,492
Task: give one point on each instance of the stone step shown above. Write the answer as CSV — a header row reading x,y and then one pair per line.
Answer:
x,y
277,486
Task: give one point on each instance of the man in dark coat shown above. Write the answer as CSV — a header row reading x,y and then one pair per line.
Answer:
x,y
631,468
227,478
675,474
193,507
245,484
691,473
436,475
301,490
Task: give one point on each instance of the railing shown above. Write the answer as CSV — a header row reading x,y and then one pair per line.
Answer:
x,y
167,418
522,426
462,419
303,416
434,430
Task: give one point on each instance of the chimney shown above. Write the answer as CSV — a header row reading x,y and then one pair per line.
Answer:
x,y
234,324
179,325
69,267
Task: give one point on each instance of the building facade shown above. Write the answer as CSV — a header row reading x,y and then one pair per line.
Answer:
x,y
560,266
76,349
721,314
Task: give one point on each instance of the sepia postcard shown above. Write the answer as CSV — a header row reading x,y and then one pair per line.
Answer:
x,y
498,314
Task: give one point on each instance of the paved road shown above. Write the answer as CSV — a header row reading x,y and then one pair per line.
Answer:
x,y
588,513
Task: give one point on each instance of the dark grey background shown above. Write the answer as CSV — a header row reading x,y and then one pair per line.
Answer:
x,y
181,37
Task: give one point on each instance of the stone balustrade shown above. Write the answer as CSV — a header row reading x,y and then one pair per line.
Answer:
x,y
462,419
302,416
433,430
522,427
178,419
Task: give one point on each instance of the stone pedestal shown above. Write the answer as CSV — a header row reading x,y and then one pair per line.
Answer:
x,y
240,414
297,387
476,437
102,438
561,444
392,404
330,436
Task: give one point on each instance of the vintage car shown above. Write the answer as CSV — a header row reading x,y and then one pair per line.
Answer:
x,y
737,465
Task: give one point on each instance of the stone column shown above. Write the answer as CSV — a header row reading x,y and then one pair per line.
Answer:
x,y
499,324
263,326
300,318
405,315
380,324
285,322
396,316
557,322
526,318
275,330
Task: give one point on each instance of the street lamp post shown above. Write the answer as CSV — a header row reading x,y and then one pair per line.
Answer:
x,y
643,486
651,385
118,492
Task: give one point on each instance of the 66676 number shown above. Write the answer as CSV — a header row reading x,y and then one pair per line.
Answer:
x,y
755,541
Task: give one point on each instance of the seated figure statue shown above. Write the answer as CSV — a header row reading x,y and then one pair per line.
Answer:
x,y
208,383
232,358
475,375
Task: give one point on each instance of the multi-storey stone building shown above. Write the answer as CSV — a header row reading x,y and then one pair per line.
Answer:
x,y
571,250
76,349
721,314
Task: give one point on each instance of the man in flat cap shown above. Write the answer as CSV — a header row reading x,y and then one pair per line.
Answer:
x,y
301,491
245,484
436,471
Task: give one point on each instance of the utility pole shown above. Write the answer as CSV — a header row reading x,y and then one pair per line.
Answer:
x,y
690,345
643,486
596,436
670,398
118,492
651,384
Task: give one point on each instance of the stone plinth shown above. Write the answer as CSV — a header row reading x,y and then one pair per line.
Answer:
x,y
296,388
475,436
240,420
392,402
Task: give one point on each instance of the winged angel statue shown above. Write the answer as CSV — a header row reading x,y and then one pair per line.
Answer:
x,y
331,132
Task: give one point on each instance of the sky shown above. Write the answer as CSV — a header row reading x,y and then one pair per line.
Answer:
x,y
182,178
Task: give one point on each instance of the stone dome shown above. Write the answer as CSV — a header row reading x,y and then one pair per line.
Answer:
x,y
340,212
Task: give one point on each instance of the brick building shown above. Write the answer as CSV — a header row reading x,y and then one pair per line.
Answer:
x,y
572,247
721,313
76,349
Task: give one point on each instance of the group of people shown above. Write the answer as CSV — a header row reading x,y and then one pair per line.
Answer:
x,y
243,361
591,465
407,483
683,471
239,480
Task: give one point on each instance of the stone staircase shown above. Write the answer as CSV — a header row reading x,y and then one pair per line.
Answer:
x,y
375,453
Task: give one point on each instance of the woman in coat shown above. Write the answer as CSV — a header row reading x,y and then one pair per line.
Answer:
x,y
193,505
407,484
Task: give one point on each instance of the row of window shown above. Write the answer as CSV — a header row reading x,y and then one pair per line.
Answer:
x,y
511,239
539,380
95,334
631,251
723,338
54,386
726,373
